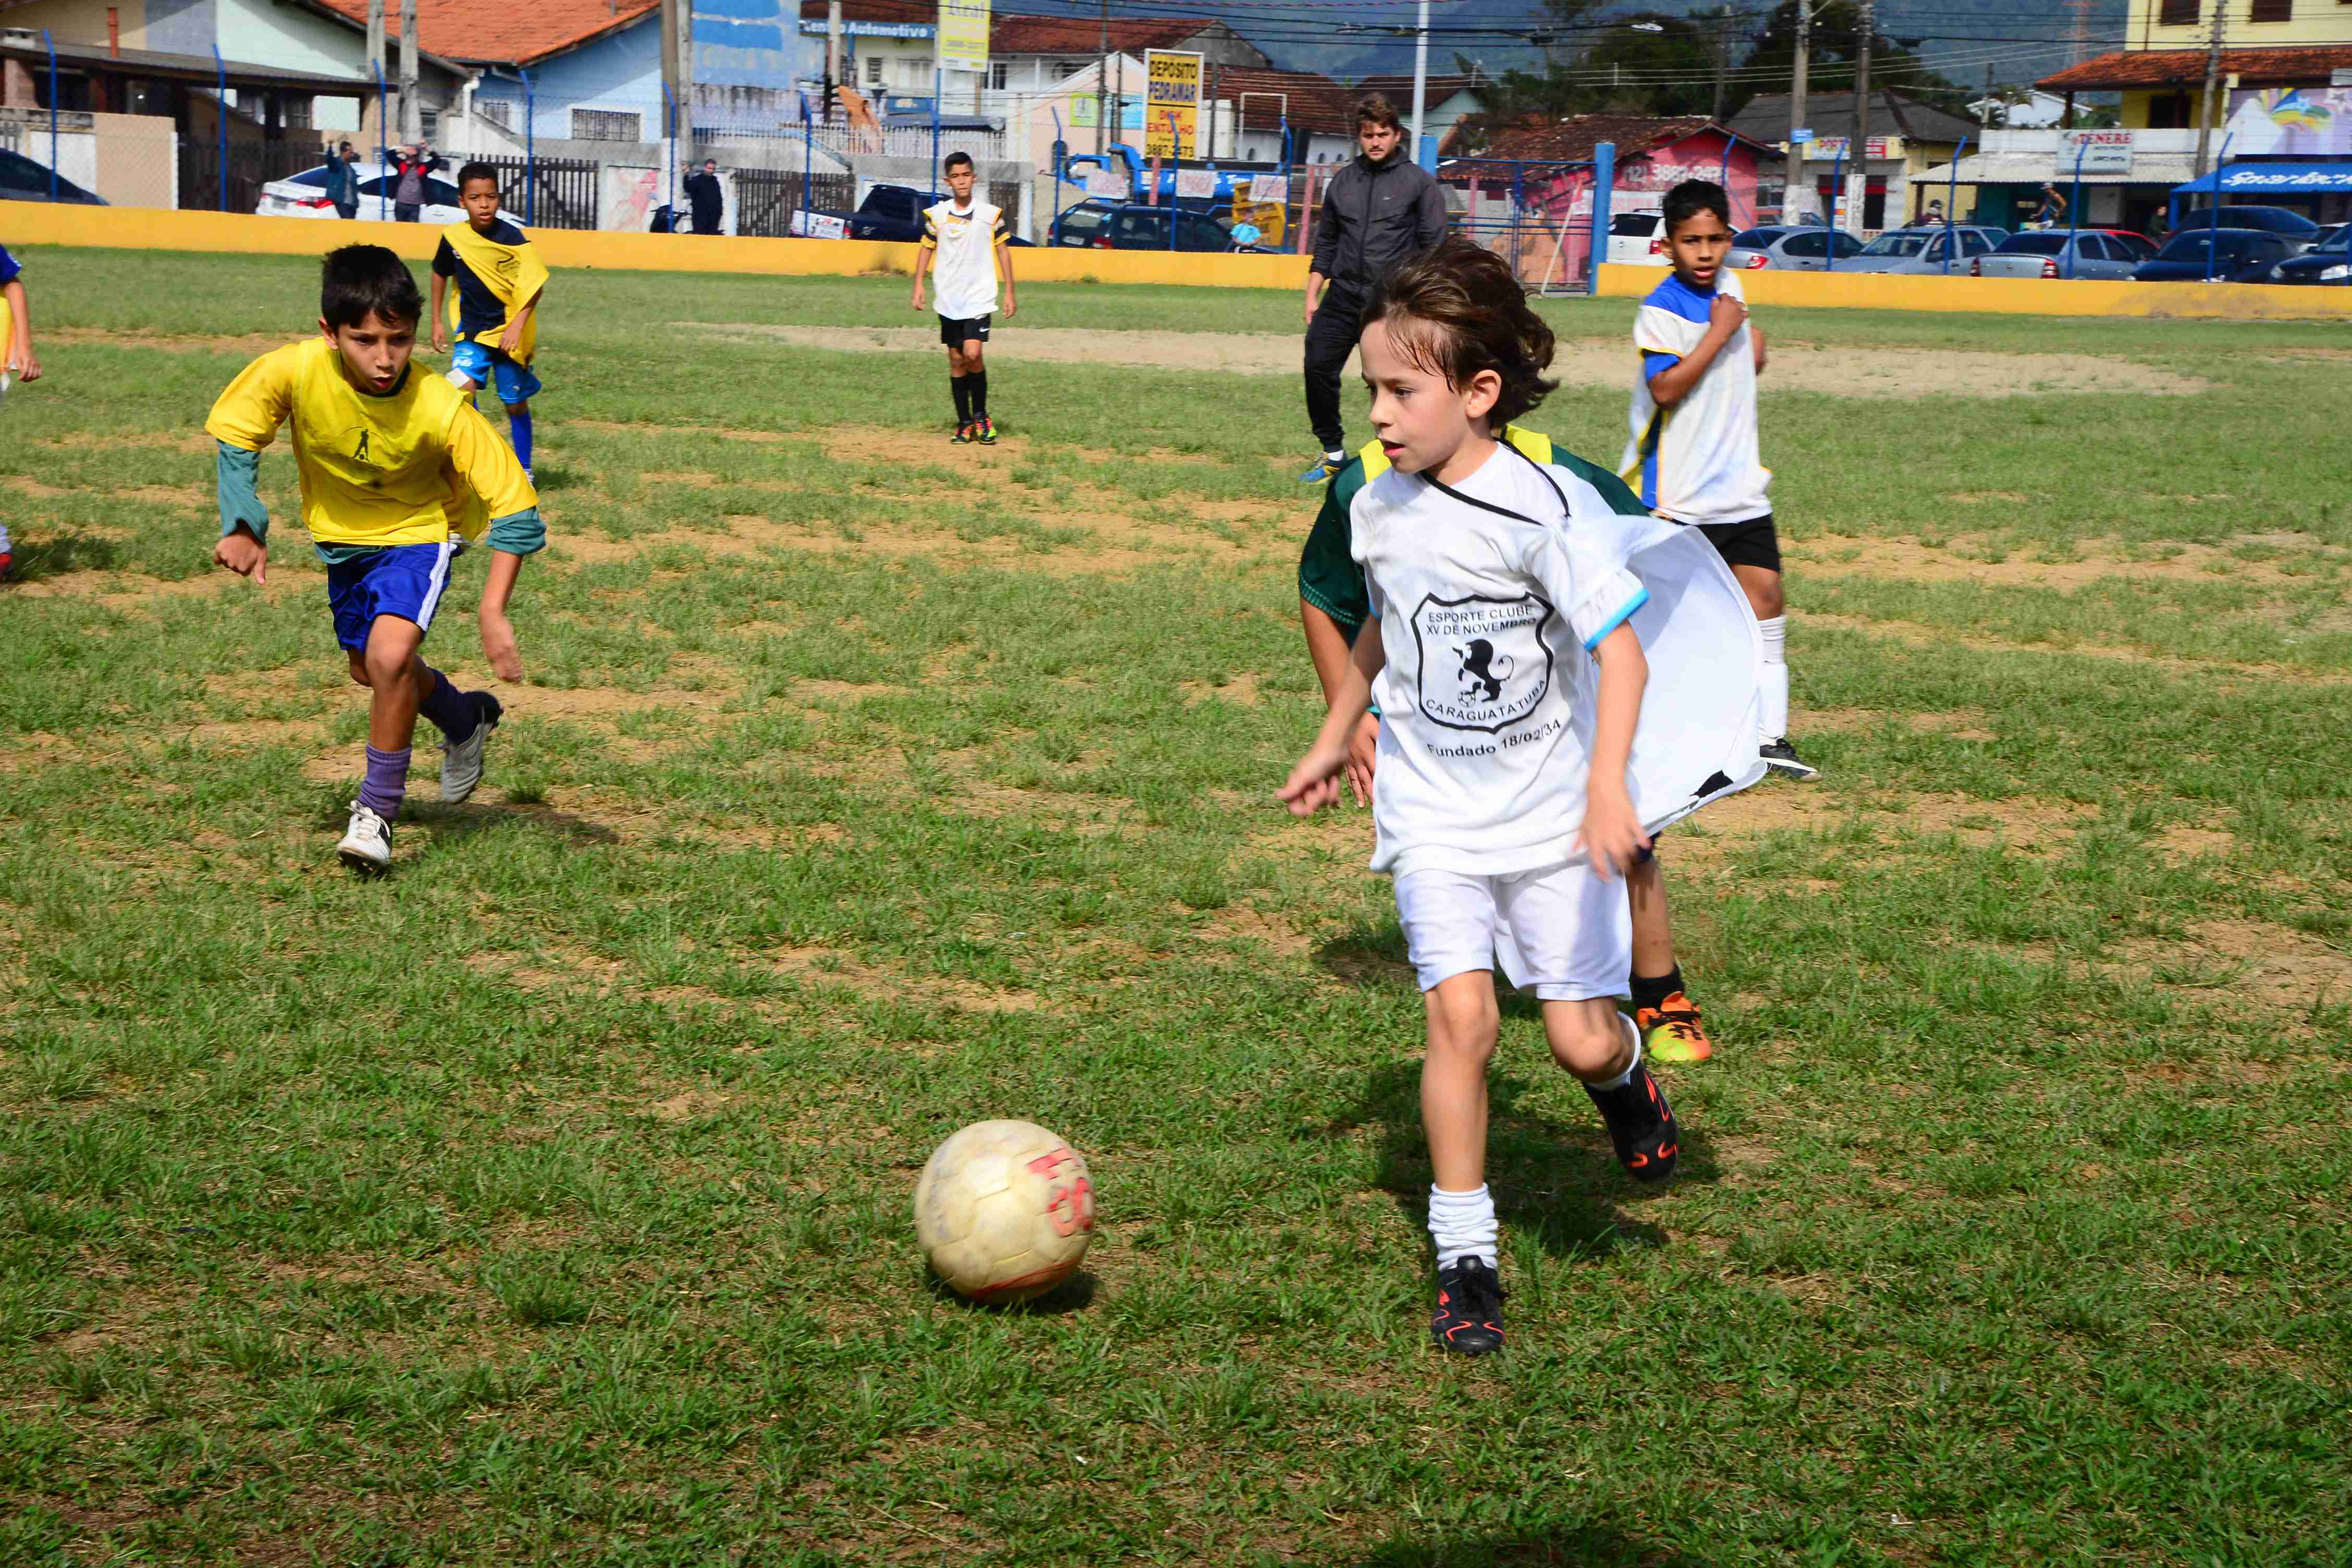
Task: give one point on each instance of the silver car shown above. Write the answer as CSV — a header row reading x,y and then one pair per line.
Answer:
x,y
1914,251
1793,247
2056,253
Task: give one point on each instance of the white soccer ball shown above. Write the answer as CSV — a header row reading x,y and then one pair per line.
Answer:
x,y
1005,1211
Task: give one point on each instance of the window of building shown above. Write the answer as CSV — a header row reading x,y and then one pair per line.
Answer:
x,y
2178,13
607,125
498,112
874,70
1064,69
2274,11
1000,75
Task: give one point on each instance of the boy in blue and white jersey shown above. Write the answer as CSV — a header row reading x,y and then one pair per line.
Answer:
x,y
1693,455
17,361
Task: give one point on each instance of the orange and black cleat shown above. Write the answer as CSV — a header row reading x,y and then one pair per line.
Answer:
x,y
1671,1031
1641,1124
1469,1317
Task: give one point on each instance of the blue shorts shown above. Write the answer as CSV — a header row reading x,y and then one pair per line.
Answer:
x,y
403,580
484,366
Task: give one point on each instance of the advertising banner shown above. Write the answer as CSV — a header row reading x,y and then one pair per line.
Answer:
x,y
2290,122
1171,104
2102,152
963,35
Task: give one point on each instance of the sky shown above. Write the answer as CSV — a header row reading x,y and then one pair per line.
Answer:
x,y
2021,39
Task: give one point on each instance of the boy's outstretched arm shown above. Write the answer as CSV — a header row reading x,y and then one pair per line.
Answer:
x,y
923,263
487,465
1613,834
21,357
1004,262
1313,784
243,546
1327,646
440,320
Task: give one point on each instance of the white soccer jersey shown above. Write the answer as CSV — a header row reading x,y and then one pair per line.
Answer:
x,y
1697,461
1488,600
963,270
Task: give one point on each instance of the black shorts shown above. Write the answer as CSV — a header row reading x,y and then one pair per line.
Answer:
x,y
1751,544
955,333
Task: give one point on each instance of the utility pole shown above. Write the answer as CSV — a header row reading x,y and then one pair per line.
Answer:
x,y
411,107
1102,85
1859,155
682,39
832,55
1797,84
1988,106
375,62
2212,78
1420,79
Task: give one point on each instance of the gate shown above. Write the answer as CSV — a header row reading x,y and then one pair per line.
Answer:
x,y
549,193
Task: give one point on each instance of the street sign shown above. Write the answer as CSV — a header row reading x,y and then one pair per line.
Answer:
x,y
1800,137
2101,152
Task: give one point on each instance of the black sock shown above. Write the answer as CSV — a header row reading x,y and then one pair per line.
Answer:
x,y
961,385
1653,993
979,380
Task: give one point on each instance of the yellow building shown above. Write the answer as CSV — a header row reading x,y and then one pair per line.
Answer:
x,y
2273,74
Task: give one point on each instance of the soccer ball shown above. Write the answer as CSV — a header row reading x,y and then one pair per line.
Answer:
x,y
1005,1211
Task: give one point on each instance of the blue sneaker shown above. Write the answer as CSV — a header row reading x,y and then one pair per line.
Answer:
x,y
1323,468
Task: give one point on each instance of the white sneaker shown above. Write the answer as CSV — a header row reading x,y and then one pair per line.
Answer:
x,y
367,842
461,761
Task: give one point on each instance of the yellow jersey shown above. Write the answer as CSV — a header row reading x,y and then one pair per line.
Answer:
x,y
496,274
402,469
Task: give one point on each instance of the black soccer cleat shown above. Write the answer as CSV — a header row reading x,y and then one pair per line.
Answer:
x,y
1781,758
1640,1125
1469,1316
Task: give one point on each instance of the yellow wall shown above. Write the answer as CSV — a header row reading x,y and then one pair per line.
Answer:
x,y
83,21
2314,21
148,229
2016,295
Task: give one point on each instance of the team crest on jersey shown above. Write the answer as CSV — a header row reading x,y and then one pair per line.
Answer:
x,y
1485,664
359,442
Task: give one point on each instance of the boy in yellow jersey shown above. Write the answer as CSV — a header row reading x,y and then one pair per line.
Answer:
x,y
499,279
391,464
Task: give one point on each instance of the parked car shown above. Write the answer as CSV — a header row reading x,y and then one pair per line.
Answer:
x,y
1638,238
2138,244
2329,261
1798,248
2270,220
1922,250
2330,235
2223,255
2055,252
22,180
1135,227
305,195
1081,221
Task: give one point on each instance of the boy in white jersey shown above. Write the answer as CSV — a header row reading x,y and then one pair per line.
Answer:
x,y
1693,454
964,243
1511,679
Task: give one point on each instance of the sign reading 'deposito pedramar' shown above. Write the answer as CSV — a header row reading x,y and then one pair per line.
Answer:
x,y
2102,152
1172,89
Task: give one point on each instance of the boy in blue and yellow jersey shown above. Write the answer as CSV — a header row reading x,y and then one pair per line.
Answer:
x,y
17,361
496,310
1334,604
391,465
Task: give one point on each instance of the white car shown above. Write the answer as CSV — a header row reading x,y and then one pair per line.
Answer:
x,y
305,195
1638,238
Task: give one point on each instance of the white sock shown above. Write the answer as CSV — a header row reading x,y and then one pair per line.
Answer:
x,y
1463,1225
1623,1078
1336,455
1776,677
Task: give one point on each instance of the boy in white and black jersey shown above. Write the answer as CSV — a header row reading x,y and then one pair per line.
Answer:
x,y
1543,712
965,242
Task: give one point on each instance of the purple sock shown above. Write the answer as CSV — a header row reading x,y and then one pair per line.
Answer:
x,y
386,781
454,712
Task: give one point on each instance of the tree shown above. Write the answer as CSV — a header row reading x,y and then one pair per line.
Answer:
x,y
1895,63
1668,71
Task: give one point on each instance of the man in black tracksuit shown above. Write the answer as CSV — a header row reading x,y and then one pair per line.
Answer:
x,y
1378,210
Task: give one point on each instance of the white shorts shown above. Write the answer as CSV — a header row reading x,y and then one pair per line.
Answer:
x,y
1564,932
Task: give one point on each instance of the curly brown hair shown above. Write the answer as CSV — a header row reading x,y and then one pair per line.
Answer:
x,y
1459,309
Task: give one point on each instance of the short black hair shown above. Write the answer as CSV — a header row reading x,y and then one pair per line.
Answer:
x,y
363,280
477,170
955,158
1692,198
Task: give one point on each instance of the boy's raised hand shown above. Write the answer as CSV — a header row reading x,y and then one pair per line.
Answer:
x,y
1726,315
243,554
1313,784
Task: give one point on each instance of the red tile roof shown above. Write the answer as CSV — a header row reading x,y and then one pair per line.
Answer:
x,y
1081,37
1310,101
1538,140
504,32
2186,67
924,11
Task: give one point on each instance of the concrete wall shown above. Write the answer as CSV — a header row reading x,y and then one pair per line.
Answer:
x,y
620,72
261,33
132,160
2016,295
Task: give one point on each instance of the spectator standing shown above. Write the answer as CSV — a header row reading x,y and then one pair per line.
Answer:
x,y
416,162
342,184
1378,210
705,199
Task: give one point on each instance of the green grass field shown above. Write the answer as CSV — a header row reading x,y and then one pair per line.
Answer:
x,y
549,1201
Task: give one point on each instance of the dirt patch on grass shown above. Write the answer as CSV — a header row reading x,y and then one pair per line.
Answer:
x,y
1241,690
192,442
1901,373
1944,639
1961,723
170,342
1965,559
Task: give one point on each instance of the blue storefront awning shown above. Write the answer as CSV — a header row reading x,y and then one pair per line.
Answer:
x,y
2278,179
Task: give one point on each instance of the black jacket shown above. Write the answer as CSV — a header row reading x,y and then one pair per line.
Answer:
x,y
1374,216
704,196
